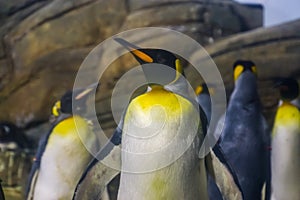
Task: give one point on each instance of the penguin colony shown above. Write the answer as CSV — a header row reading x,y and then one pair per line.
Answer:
x,y
262,163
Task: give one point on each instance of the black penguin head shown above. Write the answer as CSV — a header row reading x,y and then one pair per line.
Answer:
x,y
7,131
241,66
288,87
79,96
202,89
155,73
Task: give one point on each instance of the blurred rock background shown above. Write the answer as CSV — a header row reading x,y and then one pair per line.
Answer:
x,y
43,43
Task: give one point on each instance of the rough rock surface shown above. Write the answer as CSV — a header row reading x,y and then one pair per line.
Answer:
x,y
45,41
274,50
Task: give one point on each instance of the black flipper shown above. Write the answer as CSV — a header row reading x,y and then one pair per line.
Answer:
x,y
218,151
220,154
89,185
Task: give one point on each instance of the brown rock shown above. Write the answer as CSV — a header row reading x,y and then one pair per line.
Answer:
x,y
34,51
205,21
46,41
275,51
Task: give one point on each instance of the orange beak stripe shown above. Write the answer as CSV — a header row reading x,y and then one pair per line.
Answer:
x,y
142,56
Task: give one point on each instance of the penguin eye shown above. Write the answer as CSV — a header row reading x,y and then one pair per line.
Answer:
x,y
237,71
161,59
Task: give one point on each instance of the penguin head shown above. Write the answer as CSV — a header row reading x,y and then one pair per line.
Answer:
x,y
288,87
202,89
7,131
80,96
14,136
242,66
154,73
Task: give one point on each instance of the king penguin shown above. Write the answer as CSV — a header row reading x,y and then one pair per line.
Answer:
x,y
245,138
185,178
150,122
285,156
62,155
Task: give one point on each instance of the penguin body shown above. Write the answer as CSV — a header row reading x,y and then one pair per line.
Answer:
x,y
286,151
163,183
152,121
62,155
160,135
244,138
59,172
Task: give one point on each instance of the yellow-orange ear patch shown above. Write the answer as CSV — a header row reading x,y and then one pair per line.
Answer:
x,y
178,66
179,70
142,56
237,71
56,108
254,69
198,90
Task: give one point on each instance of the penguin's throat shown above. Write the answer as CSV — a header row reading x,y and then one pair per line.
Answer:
x,y
286,102
156,87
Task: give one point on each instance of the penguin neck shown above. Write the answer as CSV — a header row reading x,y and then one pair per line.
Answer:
x,y
60,118
286,103
180,87
245,90
156,87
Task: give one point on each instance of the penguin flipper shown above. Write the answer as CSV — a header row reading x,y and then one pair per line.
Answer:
x,y
102,169
223,178
93,183
31,186
267,139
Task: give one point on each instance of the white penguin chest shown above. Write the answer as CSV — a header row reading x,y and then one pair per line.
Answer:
x,y
160,150
285,162
62,164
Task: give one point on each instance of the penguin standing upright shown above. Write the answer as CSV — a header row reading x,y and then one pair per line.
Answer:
x,y
285,156
185,178
245,139
62,157
152,121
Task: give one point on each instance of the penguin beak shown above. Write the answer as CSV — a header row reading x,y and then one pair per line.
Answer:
x,y
85,92
136,51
